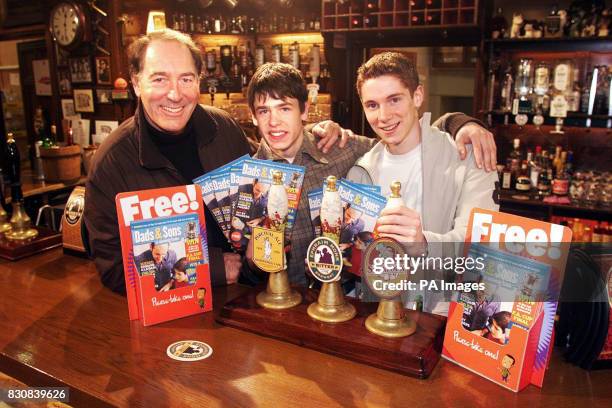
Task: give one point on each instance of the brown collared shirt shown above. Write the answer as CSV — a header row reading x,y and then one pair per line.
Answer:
x,y
319,165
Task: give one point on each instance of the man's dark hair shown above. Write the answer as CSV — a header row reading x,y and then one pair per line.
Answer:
x,y
513,359
181,265
279,81
138,48
502,319
389,63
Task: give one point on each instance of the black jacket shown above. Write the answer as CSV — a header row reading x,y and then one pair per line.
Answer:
x,y
128,160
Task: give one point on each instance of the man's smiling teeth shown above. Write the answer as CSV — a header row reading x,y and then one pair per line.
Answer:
x,y
391,127
171,109
277,134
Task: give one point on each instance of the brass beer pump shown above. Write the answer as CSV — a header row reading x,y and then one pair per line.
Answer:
x,y
268,251
330,307
390,319
20,221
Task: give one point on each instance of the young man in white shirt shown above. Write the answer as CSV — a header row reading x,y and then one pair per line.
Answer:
x,y
439,189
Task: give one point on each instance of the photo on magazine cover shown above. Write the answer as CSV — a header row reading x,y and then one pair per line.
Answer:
x,y
507,278
169,249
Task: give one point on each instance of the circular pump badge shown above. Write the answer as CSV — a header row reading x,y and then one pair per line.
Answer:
x,y
324,259
386,282
189,350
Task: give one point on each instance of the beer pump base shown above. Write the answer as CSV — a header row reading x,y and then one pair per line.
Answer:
x,y
278,294
415,355
5,226
390,321
331,307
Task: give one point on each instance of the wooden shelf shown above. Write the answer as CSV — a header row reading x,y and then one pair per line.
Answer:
x,y
573,119
393,14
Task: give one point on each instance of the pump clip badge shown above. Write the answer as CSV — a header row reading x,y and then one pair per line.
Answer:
x,y
268,249
324,259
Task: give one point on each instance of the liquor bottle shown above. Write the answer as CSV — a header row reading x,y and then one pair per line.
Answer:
x,y
543,180
506,179
211,62
317,23
52,140
573,100
515,154
586,93
252,26
491,88
278,203
523,182
534,167
523,87
260,55
506,90
602,91
294,55
198,24
314,68
561,87
331,211
542,79
499,25
277,53
191,24
560,186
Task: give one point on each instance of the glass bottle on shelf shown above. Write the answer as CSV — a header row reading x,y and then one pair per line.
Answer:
x,y
499,25
506,90
294,55
561,87
523,87
260,55
277,53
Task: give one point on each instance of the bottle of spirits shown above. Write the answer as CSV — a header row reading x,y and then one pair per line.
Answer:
x,y
523,87
294,55
499,25
506,90
260,55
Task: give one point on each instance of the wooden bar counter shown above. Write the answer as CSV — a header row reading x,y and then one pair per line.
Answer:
x,y
60,327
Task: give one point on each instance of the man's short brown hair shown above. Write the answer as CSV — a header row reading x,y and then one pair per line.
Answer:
x,y
389,63
279,81
138,48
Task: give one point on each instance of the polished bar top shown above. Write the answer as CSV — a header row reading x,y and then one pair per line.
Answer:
x,y
60,327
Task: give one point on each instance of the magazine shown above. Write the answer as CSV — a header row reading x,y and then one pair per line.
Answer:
x,y
251,205
165,253
503,331
361,209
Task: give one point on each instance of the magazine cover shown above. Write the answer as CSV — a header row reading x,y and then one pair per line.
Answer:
x,y
220,183
361,209
165,253
208,196
251,206
314,205
503,331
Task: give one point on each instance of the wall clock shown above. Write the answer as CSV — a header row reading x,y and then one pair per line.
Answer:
x,y
67,24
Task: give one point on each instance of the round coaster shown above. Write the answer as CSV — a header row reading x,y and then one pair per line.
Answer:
x,y
189,350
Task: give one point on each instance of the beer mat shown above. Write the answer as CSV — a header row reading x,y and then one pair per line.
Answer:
x,y
15,250
189,350
415,355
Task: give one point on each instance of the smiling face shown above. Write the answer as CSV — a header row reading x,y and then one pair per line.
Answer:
x,y
280,123
159,252
507,361
392,112
168,85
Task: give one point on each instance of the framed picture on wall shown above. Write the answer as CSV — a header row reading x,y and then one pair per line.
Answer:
x,y
42,77
103,75
67,108
80,70
104,96
83,100
63,79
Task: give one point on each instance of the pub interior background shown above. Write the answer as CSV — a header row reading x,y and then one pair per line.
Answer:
x,y
461,65
539,79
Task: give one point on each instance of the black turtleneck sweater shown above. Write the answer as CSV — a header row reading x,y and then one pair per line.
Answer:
x,y
181,150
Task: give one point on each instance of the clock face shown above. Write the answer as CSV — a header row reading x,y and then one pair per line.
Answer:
x,y
66,24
